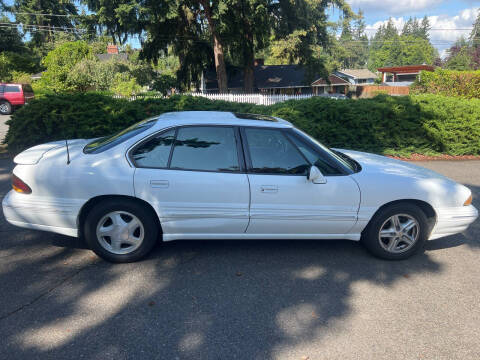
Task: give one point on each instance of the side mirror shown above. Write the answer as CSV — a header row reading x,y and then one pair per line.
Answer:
x,y
316,176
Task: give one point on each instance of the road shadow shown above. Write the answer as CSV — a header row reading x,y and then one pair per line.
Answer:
x,y
196,300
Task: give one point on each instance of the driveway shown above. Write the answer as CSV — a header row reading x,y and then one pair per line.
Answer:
x,y
241,300
3,126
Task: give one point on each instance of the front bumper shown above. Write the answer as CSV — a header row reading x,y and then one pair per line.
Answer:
x,y
453,221
41,214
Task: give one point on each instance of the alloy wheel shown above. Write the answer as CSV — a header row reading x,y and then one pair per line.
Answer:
x,y
399,233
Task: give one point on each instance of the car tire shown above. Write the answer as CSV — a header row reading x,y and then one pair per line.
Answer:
x,y
121,231
396,232
5,107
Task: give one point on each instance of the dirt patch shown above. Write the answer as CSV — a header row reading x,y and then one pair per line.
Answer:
x,y
420,157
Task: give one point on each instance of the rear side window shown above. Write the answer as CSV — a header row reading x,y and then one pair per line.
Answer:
x,y
107,142
154,153
2,89
272,153
12,89
205,148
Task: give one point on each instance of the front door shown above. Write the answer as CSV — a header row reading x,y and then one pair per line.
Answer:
x,y
197,185
283,201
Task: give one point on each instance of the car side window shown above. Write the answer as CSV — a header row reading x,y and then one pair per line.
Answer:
x,y
314,157
272,153
27,88
154,153
205,148
12,88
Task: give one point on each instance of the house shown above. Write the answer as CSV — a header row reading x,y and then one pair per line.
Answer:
x,y
402,75
356,76
275,80
112,52
335,85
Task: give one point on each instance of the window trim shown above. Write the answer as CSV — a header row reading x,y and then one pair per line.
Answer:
x,y
240,156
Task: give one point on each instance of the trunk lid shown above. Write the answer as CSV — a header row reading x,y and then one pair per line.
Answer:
x,y
33,155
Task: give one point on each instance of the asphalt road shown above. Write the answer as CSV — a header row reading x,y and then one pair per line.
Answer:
x,y
241,300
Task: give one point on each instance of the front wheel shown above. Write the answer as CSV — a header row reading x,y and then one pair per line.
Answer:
x,y
121,230
396,232
5,107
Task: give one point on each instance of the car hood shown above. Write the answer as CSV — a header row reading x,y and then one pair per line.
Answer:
x,y
373,163
387,179
33,155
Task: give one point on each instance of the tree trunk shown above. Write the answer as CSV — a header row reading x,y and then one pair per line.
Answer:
x,y
220,67
248,52
248,78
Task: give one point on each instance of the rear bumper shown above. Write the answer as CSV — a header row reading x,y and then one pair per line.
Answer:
x,y
33,213
453,221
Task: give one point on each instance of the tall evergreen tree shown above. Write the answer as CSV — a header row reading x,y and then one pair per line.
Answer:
x,y
42,27
475,34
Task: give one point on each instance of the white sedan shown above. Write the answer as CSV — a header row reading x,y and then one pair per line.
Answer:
x,y
221,175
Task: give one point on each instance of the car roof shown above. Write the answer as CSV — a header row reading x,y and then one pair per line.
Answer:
x,y
220,118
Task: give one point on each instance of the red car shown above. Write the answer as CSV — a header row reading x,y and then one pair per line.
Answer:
x,y
14,95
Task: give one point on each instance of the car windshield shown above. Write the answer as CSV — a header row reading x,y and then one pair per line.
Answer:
x,y
107,142
343,159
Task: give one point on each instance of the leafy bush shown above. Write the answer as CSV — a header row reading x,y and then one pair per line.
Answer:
x,y
449,82
125,84
61,61
424,124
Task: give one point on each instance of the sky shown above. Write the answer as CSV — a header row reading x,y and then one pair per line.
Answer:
x,y
449,18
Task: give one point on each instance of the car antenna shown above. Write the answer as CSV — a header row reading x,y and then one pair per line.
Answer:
x,y
68,152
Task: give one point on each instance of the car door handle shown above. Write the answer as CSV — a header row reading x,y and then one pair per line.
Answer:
x,y
163,184
269,188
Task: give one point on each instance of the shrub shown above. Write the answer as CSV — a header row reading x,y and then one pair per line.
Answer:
x,y
449,82
125,84
61,61
424,124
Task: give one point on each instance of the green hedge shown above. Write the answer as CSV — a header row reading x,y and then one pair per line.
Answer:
x,y
449,83
424,124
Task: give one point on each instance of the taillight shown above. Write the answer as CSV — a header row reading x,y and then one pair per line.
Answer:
x,y
19,186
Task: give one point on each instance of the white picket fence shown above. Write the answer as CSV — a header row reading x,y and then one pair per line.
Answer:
x,y
257,99
138,97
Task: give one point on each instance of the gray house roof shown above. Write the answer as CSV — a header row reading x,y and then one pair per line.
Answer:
x,y
106,57
358,73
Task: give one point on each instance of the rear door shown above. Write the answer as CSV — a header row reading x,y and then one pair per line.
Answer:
x,y
283,201
194,178
13,93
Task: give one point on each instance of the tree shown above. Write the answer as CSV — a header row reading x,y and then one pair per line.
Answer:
x,y
475,34
61,61
119,18
460,59
411,47
35,16
351,49
10,37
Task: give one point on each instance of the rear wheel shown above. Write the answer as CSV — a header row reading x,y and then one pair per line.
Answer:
x,y
5,107
396,232
121,230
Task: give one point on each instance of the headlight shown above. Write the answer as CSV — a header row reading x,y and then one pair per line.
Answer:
x,y
468,201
